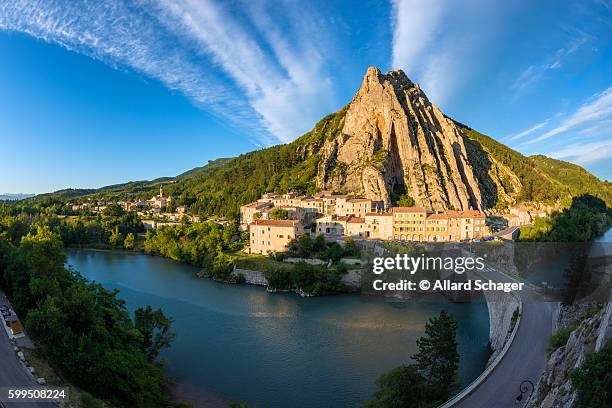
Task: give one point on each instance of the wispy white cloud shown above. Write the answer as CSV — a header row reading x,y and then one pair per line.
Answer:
x,y
534,73
584,153
431,43
528,131
594,113
416,26
219,60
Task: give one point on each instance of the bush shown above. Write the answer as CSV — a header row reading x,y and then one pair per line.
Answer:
x,y
593,380
559,339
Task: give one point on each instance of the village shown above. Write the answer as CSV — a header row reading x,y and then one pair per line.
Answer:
x,y
274,220
158,211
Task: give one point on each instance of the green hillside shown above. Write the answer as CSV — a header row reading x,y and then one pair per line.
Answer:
x,y
576,179
543,179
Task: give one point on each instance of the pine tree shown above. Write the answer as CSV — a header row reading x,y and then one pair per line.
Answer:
x,y
438,359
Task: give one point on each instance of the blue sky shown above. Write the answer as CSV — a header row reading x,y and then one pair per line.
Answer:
x,y
97,93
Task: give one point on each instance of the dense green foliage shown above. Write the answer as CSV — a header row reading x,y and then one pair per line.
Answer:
x,y
307,247
310,279
104,230
201,244
155,329
432,379
593,379
279,214
83,330
575,178
586,218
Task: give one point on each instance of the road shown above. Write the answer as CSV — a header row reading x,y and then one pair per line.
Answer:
x,y
13,373
524,360
506,233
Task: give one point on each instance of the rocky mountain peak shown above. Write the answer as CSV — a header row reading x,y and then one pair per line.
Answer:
x,y
394,140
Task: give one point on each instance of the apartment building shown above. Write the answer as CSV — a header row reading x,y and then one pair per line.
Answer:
x,y
467,224
293,213
438,227
359,207
409,223
379,225
356,227
332,226
248,211
273,235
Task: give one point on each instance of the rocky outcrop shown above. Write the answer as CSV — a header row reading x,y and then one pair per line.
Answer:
x,y
394,138
590,333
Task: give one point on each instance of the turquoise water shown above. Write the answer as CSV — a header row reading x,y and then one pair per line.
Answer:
x,y
240,343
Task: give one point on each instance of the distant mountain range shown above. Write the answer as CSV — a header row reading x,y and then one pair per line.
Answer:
x,y
15,196
389,141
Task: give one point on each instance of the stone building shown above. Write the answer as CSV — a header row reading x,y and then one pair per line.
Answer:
x,y
268,236
379,225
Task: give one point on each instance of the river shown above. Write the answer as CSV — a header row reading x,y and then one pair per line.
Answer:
x,y
241,343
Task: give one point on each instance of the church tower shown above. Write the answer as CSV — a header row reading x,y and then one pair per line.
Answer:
x,y
161,190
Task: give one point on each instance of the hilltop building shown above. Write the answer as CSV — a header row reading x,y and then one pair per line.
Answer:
x,y
160,201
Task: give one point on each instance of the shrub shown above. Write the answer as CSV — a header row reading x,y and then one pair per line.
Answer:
x,y
559,339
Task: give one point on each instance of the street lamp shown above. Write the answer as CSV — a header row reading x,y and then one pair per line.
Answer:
x,y
526,386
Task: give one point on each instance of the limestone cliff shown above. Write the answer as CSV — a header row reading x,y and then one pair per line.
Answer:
x,y
393,137
590,333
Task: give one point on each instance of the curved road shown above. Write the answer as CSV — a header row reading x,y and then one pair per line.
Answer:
x,y
524,360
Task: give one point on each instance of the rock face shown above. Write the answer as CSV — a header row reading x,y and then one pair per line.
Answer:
x,y
395,139
554,388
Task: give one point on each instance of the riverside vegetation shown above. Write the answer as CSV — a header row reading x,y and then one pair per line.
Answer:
x,y
81,329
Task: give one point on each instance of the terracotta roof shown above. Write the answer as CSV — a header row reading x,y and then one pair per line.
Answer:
x,y
440,216
358,200
356,220
377,214
472,214
408,209
509,216
277,223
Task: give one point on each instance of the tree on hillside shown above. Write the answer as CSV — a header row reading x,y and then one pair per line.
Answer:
x,y
113,210
128,242
116,238
402,387
155,329
405,201
438,359
433,377
279,214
